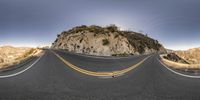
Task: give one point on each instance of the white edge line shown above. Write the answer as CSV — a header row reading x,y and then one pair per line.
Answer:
x,y
189,76
20,72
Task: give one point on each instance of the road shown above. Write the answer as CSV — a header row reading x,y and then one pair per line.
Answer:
x,y
51,79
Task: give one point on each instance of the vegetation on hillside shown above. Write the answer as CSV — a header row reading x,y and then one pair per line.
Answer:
x,y
138,40
175,58
27,54
191,55
176,62
105,42
12,55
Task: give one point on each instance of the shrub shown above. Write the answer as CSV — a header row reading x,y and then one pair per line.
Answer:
x,y
28,53
117,35
112,28
105,42
81,40
25,55
1,60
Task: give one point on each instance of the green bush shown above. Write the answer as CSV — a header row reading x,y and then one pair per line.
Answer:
x,y
105,42
116,36
112,28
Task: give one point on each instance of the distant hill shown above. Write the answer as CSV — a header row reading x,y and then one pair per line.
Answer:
x,y
191,55
106,41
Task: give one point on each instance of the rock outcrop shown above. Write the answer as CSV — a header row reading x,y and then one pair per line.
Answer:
x,y
106,41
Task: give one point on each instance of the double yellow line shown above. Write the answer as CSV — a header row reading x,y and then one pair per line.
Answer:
x,y
100,74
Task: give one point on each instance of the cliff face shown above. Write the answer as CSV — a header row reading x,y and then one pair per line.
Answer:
x,y
105,41
191,55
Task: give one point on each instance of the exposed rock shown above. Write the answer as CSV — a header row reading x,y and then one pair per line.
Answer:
x,y
105,41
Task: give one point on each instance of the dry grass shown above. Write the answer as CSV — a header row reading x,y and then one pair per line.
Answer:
x,y
177,65
23,57
191,55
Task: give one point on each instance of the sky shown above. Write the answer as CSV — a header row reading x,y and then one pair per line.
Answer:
x,y
174,23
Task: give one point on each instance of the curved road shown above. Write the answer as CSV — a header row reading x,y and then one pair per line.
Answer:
x,y
51,79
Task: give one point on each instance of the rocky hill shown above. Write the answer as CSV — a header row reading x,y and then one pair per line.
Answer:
x,y
191,55
106,41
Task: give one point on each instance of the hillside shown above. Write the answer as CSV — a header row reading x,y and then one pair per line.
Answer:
x,y
191,55
9,53
175,58
106,41
12,55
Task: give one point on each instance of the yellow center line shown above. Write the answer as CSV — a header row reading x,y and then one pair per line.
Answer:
x,y
103,74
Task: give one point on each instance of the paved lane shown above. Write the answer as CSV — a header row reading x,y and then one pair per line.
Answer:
x,y
101,64
51,79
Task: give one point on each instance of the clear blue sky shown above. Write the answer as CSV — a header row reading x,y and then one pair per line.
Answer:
x,y
175,23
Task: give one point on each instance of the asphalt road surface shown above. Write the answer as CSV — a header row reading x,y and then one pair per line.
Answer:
x,y
51,79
